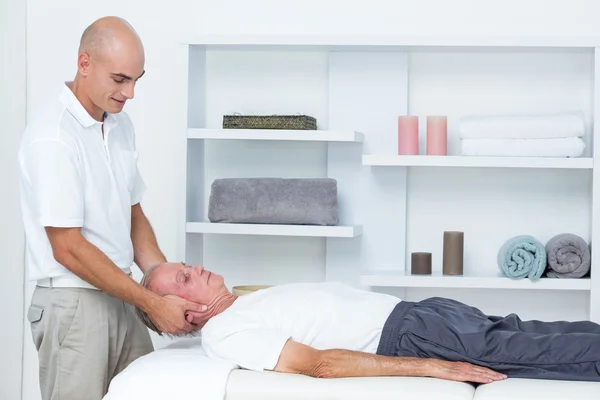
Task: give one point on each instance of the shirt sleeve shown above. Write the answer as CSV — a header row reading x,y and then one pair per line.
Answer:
x,y
249,345
53,177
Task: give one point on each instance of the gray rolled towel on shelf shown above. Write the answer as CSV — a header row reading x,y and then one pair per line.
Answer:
x,y
292,201
568,256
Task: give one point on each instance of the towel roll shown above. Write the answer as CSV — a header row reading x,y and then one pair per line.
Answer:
x,y
300,201
522,256
568,256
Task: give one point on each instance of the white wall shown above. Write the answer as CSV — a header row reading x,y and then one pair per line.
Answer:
x,y
12,119
53,30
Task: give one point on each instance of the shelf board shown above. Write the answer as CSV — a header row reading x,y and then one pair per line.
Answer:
x,y
352,41
274,230
478,162
437,280
276,134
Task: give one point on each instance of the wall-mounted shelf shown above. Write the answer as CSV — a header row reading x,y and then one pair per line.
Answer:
x,y
276,230
478,162
437,280
276,134
391,42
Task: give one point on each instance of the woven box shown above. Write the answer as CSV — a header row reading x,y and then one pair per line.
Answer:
x,y
300,122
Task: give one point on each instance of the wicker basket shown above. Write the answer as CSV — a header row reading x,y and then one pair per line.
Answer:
x,y
299,122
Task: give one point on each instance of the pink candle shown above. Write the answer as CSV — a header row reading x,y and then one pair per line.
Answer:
x,y
408,135
437,135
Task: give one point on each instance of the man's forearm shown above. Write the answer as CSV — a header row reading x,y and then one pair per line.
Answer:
x,y
346,363
145,246
93,266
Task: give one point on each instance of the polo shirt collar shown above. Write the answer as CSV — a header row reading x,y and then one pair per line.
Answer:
x,y
73,105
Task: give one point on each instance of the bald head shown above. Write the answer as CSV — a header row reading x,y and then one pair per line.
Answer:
x,y
109,35
110,62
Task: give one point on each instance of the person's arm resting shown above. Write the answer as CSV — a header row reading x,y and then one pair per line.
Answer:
x,y
145,247
297,358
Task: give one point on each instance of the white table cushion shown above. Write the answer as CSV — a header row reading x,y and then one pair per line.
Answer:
x,y
252,385
537,389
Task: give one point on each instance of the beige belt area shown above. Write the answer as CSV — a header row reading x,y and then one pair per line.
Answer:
x,y
70,281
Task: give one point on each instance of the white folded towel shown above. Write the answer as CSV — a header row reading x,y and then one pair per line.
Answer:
x,y
562,147
523,126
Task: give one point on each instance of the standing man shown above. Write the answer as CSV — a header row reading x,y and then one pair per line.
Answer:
x,y
81,192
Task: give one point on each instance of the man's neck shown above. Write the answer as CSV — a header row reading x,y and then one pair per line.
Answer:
x,y
219,304
223,302
86,102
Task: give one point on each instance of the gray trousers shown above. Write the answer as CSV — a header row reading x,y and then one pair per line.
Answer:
x,y
449,330
84,338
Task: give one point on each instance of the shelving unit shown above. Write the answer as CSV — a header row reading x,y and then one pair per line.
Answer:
x,y
437,280
367,80
478,162
274,230
276,134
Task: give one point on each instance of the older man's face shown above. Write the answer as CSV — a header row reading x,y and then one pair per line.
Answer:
x,y
195,284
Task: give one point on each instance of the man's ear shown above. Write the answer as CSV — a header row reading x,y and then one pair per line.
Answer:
x,y
189,317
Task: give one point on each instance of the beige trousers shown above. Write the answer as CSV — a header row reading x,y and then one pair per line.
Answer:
x,y
84,338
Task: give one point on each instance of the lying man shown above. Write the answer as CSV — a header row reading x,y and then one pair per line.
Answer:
x,y
332,330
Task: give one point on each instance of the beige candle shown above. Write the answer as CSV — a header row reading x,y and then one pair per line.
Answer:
x,y
452,263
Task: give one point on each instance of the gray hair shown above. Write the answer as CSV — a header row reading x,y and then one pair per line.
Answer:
x,y
145,318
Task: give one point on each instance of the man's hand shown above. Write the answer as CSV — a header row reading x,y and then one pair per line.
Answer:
x,y
172,315
462,372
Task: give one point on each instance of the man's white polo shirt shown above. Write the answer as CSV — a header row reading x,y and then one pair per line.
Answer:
x,y
72,175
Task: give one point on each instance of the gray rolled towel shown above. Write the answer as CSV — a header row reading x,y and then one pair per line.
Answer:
x,y
568,256
299,201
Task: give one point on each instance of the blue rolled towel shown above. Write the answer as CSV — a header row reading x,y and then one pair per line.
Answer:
x,y
522,256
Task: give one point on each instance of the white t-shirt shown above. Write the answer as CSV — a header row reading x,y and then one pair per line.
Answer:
x,y
72,175
325,315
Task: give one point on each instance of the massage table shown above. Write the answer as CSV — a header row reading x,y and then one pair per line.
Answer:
x,y
182,370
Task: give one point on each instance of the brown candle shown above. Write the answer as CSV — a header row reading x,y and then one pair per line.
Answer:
x,y
420,263
452,263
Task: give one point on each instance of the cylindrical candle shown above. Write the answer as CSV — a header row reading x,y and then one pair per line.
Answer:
x,y
408,135
420,263
452,262
437,135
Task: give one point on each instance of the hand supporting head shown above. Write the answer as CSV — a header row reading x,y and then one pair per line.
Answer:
x,y
180,282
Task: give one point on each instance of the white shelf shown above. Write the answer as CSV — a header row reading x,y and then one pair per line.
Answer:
x,y
437,280
393,41
478,162
276,134
274,230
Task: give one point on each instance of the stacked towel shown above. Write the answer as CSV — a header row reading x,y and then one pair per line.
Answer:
x,y
523,135
564,147
568,256
522,256
274,201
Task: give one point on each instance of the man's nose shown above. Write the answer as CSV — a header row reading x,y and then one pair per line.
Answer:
x,y
128,90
